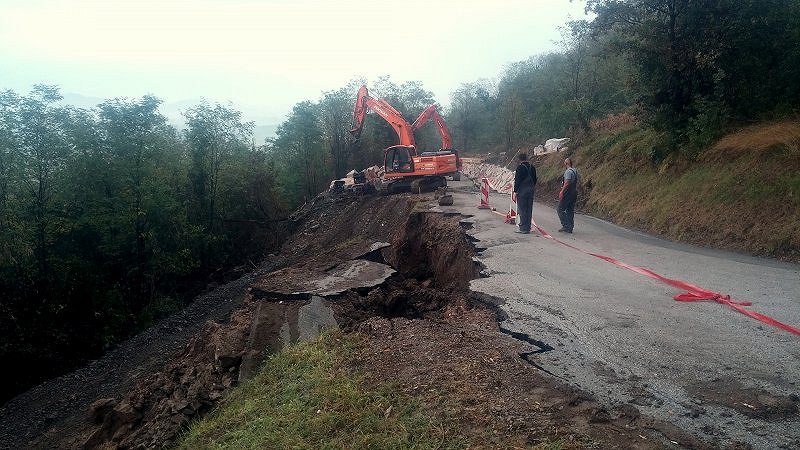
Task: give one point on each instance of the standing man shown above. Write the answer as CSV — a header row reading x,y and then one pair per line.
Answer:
x,y
567,197
524,183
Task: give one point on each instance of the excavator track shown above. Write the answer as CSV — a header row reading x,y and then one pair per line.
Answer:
x,y
413,185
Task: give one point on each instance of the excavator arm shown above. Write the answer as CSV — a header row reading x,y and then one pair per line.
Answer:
x,y
431,113
400,125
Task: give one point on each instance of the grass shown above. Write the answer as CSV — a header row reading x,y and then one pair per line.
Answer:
x,y
762,138
742,193
304,398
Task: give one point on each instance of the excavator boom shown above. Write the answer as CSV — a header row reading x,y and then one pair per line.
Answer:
x,y
431,113
400,125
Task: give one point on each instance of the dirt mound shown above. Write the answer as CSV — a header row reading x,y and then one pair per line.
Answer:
x,y
155,410
433,262
461,366
331,228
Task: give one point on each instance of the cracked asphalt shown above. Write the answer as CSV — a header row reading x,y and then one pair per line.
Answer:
x,y
704,367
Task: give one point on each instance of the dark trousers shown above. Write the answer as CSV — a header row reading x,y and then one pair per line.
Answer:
x,y
566,211
525,209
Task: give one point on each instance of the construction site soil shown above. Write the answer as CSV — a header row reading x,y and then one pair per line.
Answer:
x,y
394,270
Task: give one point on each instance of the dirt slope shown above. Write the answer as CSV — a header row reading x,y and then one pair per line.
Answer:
x,y
424,330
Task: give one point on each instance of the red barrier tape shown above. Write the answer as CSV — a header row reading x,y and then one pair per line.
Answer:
x,y
694,294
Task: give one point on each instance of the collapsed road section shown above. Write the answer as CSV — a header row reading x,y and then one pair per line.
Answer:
x,y
395,270
343,272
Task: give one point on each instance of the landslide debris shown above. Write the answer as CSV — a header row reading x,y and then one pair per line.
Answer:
x,y
429,264
422,329
56,414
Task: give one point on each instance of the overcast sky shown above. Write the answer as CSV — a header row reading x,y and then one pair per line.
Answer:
x,y
266,55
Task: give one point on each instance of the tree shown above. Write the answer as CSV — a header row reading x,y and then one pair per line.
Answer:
x,y
253,209
752,57
9,107
96,240
471,113
703,64
43,153
336,114
132,139
655,36
213,133
511,113
575,39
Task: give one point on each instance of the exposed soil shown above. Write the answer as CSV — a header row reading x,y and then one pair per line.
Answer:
x,y
749,402
478,379
423,331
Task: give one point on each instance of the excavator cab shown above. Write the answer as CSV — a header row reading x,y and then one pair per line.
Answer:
x,y
398,159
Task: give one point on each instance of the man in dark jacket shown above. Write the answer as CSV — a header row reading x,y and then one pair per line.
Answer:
x,y
524,183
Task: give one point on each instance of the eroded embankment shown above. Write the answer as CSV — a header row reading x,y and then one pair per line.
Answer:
x,y
353,259
397,275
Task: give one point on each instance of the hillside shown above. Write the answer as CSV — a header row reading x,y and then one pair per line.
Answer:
x,y
742,193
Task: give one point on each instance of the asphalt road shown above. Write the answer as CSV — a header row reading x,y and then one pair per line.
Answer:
x,y
708,369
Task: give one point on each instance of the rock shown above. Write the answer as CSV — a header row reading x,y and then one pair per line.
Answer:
x,y
600,415
446,200
124,413
179,406
100,408
630,411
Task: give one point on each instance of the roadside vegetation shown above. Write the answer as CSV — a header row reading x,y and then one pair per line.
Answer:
x,y
307,397
312,395
741,193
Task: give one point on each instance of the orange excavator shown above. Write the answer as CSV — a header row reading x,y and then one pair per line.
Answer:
x,y
404,167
